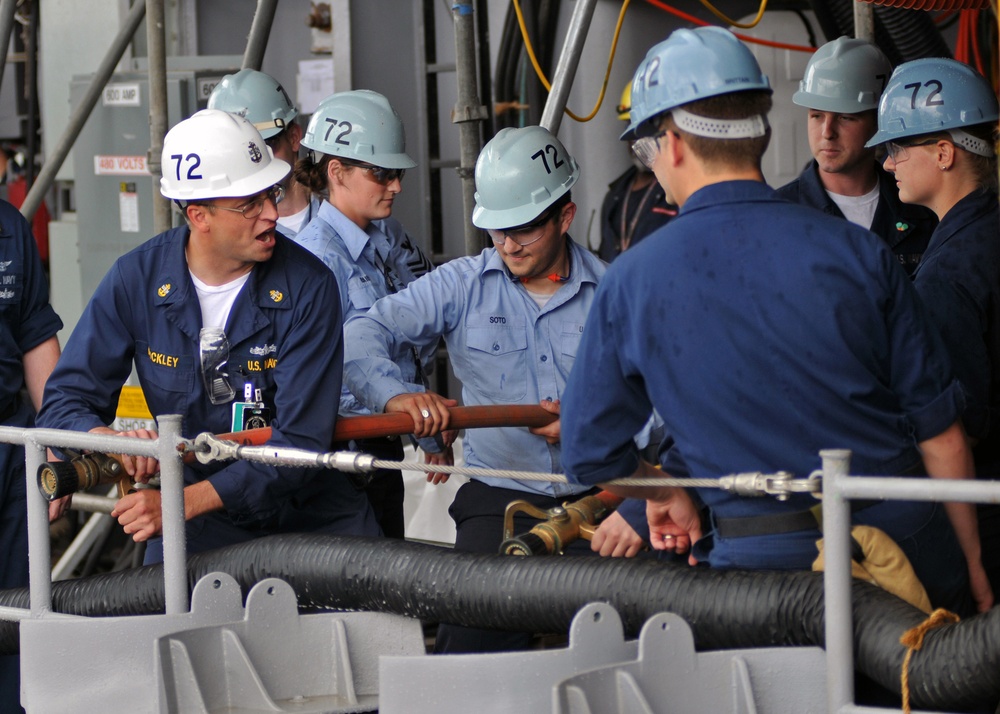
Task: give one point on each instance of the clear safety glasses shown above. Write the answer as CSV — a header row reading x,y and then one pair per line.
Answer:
x,y
213,347
255,206
897,151
523,235
646,148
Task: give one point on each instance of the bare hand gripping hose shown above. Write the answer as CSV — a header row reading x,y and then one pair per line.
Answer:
x,y
726,609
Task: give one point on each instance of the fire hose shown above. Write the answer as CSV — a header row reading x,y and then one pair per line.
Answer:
x,y
955,669
61,478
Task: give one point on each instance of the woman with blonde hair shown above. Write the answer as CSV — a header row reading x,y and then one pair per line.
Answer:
x,y
937,123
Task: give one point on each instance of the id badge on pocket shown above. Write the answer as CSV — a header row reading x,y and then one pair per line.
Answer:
x,y
250,413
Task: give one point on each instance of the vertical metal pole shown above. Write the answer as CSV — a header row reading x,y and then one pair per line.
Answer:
x,y
54,159
39,548
569,60
837,581
263,18
156,41
7,9
864,21
175,584
469,112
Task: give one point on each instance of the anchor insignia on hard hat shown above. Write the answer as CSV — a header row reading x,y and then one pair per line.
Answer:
x,y
277,295
255,154
164,290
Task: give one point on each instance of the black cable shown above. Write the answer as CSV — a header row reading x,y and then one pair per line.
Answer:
x,y
810,31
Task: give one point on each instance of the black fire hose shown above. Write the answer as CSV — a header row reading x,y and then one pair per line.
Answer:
x,y
956,669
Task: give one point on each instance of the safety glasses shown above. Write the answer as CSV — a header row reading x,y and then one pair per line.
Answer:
x,y
255,206
523,235
646,148
213,348
377,174
897,151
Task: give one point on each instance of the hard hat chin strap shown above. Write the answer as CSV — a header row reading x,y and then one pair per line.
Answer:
x,y
749,128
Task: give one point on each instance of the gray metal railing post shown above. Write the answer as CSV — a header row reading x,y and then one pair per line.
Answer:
x,y
175,584
569,60
157,44
468,113
39,546
55,158
837,581
260,30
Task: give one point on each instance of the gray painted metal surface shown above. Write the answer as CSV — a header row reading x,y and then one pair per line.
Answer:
x,y
220,657
601,673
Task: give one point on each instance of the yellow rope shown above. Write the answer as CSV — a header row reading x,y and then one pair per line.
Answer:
x,y
913,640
744,26
541,75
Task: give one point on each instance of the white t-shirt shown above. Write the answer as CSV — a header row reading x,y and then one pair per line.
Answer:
x,y
541,299
858,209
295,222
217,300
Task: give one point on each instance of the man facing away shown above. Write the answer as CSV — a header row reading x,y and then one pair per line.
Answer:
x,y
769,332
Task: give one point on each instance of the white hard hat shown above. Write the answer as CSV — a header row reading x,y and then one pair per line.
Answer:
x,y
214,154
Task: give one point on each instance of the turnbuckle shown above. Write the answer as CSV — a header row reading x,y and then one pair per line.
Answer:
x,y
781,485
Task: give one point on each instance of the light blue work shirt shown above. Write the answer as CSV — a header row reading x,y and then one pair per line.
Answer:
x,y
356,257
502,347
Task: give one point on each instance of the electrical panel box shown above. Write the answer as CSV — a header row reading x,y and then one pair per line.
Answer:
x,y
113,186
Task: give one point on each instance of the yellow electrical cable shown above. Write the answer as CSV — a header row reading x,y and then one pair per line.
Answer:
x,y
744,26
541,75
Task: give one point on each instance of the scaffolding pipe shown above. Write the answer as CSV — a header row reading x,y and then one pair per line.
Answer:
x,y
78,119
93,533
864,21
156,41
468,113
260,30
569,60
7,10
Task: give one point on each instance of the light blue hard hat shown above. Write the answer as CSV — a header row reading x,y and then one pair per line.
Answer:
x,y
688,66
359,125
930,95
519,174
846,76
256,96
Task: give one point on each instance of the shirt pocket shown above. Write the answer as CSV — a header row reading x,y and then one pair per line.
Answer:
x,y
164,376
500,355
570,335
361,293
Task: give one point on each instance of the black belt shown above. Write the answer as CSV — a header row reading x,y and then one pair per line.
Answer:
x,y
774,523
